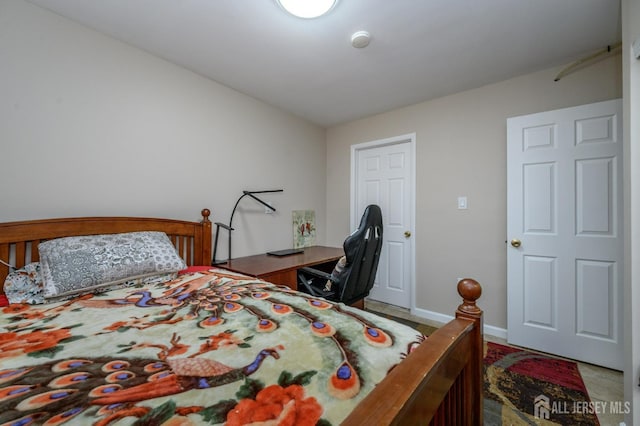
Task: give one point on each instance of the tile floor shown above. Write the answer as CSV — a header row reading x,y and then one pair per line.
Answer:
x,y
604,385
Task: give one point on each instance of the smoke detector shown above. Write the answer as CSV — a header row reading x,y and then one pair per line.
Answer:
x,y
360,39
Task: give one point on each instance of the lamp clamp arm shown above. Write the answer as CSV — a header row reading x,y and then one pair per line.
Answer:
x,y
222,225
259,200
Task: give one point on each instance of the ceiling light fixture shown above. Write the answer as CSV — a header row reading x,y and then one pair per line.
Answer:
x,y
307,9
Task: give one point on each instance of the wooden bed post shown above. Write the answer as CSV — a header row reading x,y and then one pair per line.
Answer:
x,y
206,237
470,291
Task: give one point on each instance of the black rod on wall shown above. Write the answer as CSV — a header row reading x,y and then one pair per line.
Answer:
x,y
229,227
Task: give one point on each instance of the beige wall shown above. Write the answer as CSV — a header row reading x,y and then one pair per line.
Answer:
x,y
461,150
92,126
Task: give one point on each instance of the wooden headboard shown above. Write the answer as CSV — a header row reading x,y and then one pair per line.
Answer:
x,y
19,240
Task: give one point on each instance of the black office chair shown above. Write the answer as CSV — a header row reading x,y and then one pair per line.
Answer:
x,y
353,277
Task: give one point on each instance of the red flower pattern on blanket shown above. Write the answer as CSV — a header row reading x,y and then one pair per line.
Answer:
x,y
23,342
282,406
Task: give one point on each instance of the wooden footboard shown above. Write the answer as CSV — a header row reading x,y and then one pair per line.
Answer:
x,y
19,240
441,382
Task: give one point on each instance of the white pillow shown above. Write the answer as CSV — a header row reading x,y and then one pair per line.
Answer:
x,y
73,265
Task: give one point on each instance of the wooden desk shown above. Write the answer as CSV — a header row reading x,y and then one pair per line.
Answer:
x,y
283,269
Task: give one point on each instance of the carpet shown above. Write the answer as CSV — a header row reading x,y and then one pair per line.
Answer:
x,y
425,329
528,388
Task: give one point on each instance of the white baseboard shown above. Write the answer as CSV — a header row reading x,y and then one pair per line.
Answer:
x,y
494,331
443,319
430,315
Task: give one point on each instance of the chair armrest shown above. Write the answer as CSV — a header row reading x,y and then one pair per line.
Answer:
x,y
317,273
307,277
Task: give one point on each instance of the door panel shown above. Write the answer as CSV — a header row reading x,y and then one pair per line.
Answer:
x,y
540,287
596,286
383,175
539,201
595,209
564,199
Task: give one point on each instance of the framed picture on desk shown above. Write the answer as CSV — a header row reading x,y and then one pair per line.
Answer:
x,y
304,228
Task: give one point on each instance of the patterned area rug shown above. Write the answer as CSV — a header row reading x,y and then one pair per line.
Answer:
x,y
527,388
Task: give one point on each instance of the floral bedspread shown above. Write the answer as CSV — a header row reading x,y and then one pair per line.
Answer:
x,y
206,348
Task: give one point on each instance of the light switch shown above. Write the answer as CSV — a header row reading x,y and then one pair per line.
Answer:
x,y
462,203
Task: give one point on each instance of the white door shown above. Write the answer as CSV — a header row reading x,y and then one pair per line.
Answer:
x,y
383,174
564,225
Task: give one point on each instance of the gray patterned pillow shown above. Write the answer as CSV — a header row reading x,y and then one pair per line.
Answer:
x,y
77,264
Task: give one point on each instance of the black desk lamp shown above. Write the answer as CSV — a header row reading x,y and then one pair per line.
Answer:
x,y
230,226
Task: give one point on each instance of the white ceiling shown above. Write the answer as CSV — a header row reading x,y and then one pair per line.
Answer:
x,y
419,50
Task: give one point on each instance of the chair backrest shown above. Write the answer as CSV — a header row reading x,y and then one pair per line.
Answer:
x,y
362,250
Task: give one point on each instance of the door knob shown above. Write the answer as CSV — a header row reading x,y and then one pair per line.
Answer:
x,y
407,234
516,242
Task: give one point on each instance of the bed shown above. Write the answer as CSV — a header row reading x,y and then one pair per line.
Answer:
x,y
210,346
